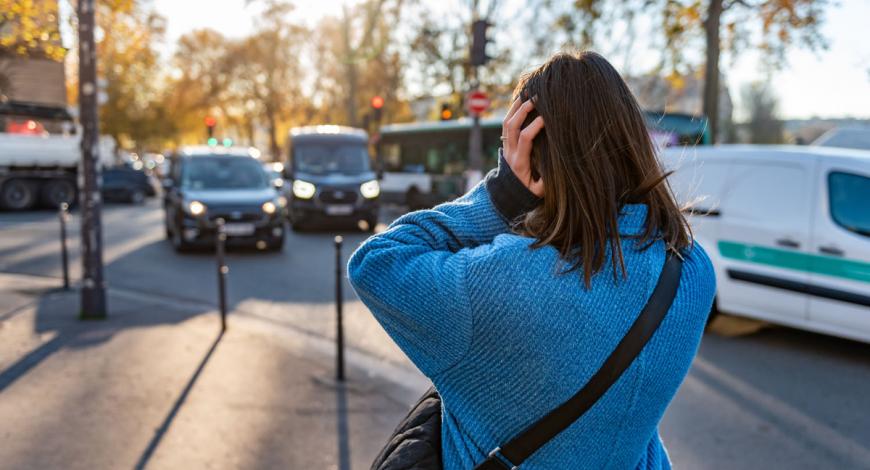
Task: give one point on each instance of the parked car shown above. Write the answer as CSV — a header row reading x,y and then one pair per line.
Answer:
x,y
210,183
787,229
123,183
332,178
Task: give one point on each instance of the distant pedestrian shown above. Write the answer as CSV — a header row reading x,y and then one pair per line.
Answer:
x,y
511,297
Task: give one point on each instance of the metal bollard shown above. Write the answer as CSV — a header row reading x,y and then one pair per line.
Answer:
x,y
222,269
63,214
339,301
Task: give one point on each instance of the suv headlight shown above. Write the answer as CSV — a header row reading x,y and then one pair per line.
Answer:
x,y
370,189
269,207
195,208
303,189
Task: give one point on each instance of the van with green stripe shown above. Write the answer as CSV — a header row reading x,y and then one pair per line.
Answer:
x,y
787,229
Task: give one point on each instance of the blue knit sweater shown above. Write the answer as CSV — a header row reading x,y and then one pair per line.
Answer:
x,y
505,338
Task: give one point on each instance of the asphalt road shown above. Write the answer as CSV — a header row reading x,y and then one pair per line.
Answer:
x,y
770,397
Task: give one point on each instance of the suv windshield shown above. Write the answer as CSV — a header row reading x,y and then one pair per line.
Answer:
x,y
323,159
223,173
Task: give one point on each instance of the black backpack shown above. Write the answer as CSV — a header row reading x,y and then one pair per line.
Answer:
x,y
416,442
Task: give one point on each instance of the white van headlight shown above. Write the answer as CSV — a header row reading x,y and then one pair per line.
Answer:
x,y
370,189
303,189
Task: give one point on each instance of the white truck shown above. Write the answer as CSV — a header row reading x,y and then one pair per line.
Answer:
x,y
787,229
38,161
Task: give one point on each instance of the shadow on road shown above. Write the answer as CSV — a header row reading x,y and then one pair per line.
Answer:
x,y
164,426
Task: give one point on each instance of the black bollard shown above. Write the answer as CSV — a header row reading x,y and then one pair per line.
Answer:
x,y
220,248
339,301
62,214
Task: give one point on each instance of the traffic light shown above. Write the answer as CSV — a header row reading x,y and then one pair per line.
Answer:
x,y
210,122
446,112
377,105
478,42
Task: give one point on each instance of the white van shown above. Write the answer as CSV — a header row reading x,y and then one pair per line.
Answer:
x,y
787,229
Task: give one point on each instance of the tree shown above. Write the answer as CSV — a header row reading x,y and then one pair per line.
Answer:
x,y
267,72
30,27
129,64
780,24
199,84
694,32
438,56
356,59
761,105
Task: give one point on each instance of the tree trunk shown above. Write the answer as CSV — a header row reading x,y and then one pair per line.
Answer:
x,y
350,67
273,137
711,71
249,129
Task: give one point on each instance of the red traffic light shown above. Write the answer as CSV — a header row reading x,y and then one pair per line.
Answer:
x,y
377,102
210,121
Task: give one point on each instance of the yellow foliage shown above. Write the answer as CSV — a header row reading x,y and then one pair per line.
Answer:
x,y
30,27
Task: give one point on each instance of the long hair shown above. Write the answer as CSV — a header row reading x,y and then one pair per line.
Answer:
x,y
595,155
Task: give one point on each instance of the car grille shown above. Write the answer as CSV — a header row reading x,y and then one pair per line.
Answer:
x,y
236,213
338,196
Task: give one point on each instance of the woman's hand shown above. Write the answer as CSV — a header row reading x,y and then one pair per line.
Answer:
x,y
518,143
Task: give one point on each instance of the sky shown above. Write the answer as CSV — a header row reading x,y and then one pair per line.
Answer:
x,y
831,83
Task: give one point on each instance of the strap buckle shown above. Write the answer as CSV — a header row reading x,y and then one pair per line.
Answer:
x,y
497,456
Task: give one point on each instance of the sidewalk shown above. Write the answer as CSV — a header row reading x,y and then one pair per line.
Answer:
x,y
157,386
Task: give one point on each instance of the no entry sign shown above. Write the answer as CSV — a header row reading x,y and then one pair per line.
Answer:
x,y
477,102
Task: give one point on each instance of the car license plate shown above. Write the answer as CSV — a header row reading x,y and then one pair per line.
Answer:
x,y
239,230
343,209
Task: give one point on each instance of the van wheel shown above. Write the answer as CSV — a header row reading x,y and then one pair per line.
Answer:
x,y
58,191
18,194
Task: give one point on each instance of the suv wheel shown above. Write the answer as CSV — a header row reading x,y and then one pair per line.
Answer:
x,y
178,242
137,196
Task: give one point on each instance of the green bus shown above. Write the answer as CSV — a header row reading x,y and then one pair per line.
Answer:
x,y
424,163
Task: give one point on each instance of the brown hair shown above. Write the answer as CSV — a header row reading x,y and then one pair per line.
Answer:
x,y
595,155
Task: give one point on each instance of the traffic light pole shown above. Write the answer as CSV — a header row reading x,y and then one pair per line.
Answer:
x,y
478,57
475,145
93,290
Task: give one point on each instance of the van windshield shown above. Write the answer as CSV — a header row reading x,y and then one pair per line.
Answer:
x,y
331,158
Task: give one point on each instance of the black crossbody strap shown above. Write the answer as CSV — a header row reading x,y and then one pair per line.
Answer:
x,y
521,447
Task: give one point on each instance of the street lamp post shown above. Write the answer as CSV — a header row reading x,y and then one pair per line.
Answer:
x,y
93,290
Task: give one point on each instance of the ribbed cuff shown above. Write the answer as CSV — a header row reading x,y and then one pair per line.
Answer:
x,y
509,195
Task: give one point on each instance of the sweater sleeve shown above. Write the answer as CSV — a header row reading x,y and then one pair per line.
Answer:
x,y
413,276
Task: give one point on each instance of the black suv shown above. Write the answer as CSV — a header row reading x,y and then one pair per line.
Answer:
x,y
331,175
208,183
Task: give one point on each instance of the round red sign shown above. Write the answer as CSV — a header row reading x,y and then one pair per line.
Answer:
x,y
477,102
